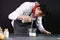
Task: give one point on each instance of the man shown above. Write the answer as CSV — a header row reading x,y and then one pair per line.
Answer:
x,y
22,16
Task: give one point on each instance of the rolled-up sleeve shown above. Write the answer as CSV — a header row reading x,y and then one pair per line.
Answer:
x,y
19,11
39,24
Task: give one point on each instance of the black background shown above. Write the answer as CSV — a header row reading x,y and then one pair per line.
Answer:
x,y
51,22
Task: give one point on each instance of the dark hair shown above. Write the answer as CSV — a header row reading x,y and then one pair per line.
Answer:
x,y
44,8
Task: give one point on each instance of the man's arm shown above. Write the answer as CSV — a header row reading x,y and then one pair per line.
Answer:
x,y
14,16
18,13
40,26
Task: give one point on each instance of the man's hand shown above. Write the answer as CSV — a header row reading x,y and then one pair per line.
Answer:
x,y
47,32
26,19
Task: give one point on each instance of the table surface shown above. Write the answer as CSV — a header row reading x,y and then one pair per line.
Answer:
x,y
38,37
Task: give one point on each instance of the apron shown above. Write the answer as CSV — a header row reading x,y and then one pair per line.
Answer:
x,y
21,28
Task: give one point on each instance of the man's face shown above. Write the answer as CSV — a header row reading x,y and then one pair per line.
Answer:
x,y
38,12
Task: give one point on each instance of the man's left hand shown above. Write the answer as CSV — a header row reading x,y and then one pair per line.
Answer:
x,y
47,32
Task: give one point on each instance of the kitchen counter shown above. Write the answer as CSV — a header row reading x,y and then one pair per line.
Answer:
x,y
38,37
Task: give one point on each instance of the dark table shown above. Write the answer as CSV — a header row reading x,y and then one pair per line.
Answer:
x,y
38,37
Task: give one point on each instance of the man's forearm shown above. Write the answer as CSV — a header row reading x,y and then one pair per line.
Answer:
x,y
24,18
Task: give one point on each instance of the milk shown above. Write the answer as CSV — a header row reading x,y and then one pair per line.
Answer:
x,y
32,32
6,33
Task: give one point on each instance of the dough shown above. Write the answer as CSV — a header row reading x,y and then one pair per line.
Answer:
x,y
1,36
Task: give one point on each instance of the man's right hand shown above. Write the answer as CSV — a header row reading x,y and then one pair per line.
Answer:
x,y
26,19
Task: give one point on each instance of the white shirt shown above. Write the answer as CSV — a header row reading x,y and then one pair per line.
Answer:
x,y
25,9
